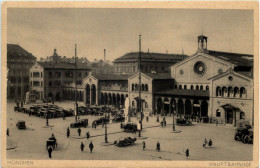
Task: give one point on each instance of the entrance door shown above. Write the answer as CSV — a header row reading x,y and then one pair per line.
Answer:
x,y
229,115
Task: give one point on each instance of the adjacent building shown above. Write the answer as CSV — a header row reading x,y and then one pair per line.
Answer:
x,y
19,62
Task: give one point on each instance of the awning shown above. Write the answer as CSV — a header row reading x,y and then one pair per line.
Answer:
x,y
137,99
230,107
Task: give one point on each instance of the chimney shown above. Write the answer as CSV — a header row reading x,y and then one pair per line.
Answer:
x,y
104,55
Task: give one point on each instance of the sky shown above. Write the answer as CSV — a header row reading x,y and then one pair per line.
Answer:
x,y
41,30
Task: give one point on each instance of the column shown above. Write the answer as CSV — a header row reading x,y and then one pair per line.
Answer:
x,y
155,104
97,96
162,112
170,106
177,106
200,101
234,117
192,104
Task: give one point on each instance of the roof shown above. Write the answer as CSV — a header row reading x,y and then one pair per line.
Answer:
x,y
110,77
234,58
14,50
159,75
151,57
185,92
63,65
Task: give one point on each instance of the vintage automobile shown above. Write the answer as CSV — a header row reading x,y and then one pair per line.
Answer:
x,y
125,141
242,132
79,123
21,124
118,118
101,120
249,138
182,121
52,142
129,127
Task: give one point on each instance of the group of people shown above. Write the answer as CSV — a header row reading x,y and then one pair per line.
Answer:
x,y
79,133
91,147
205,143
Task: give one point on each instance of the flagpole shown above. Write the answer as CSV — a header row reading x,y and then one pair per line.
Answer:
x,y
140,86
76,92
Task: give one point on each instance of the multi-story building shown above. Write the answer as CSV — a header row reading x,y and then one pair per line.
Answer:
x,y
48,79
18,63
151,62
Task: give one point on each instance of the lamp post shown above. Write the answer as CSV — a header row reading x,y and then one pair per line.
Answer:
x,y
76,96
106,132
47,115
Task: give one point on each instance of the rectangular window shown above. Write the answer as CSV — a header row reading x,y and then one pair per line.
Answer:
x,y
50,83
36,74
50,74
36,83
41,74
218,114
41,83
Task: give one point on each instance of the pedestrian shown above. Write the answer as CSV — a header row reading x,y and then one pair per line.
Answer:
x,y
164,123
79,131
103,124
143,145
91,146
216,122
50,151
7,132
64,116
210,143
68,132
158,146
88,135
187,152
147,118
157,120
163,118
82,146
205,143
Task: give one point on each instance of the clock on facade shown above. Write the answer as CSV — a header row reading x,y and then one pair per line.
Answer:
x,y
199,68
181,71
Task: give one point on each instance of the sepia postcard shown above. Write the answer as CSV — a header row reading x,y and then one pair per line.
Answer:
x,y
130,84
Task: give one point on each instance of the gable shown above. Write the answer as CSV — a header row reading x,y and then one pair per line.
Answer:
x,y
36,67
198,69
144,78
90,80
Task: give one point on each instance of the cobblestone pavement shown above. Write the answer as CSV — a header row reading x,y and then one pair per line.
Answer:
x,y
31,143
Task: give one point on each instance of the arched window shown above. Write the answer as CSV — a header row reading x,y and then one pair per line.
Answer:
x,y
142,87
146,105
180,87
218,91
242,115
133,87
136,87
146,87
191,87
201,87
218,114
242,92
230,92
197,87
224,91
236,92
133,103
207,87
185,86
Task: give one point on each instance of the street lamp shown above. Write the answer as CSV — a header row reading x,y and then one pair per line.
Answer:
x,y
173,121
106,132
47,115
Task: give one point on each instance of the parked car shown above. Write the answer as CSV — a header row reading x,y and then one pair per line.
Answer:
x,y
21,124
249,138
79,123
101,120
129,127
242,132
182,121
118,118
125,141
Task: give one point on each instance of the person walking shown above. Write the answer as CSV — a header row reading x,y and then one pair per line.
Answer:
x,y
210,143
147,118
79,131
68,132
205,143
143,145
82,146
158,146
157,119
187,153
88,135
91,146
7,132
50,151
164,123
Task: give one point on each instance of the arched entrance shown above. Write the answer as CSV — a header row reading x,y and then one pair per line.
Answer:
x,y
188,108
109,99
113,99
159,105
166,106
122,100
117,100
102,99
180,108
87,94
196,109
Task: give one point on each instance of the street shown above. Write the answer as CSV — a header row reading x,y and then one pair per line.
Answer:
x,y
31,143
